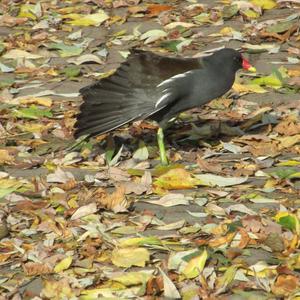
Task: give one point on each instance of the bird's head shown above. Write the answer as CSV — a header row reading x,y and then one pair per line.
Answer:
x,y
231,59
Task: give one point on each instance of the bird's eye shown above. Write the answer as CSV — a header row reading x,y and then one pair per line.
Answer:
x,y
237,59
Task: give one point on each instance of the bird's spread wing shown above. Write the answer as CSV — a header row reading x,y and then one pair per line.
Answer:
x,y
141,86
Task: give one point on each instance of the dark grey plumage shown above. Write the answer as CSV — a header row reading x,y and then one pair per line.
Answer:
x,y
154,86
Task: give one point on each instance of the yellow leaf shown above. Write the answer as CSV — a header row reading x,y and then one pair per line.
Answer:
x,y
289,163
195,266
45,101
129,257
227,31
89,20
31,127
288,141
228,277
280,214
133,278
251,14
176,179
264,4
140,241
26,11
5,157
63,264
271,81
248,88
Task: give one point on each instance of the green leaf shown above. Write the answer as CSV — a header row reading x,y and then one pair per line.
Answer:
x,y
32,112
229,11
280,27
289,222
283,173
66,50
72,71
171,45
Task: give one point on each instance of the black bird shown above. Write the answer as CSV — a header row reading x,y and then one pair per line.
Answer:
x,y
148,85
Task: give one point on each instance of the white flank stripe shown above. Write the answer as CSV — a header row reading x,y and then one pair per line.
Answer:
x,y
181,75
160,100
165,82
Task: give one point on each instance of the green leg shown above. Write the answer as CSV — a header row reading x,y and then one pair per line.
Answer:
x,y
161,146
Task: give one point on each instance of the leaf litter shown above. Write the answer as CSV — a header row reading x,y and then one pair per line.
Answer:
x,y
99,218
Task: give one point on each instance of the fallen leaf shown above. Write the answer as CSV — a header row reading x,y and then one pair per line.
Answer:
x,y
170,290
176,179
89,20
264,4
169,200
128,257
63,264
153,35
17,53
248,88
84,211
85,59
116,201
285,285
6,157
215,180
195,265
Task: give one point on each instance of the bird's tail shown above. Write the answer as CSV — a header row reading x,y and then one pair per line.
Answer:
x,y
109,104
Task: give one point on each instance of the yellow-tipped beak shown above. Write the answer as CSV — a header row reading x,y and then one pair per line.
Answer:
x,y
252,69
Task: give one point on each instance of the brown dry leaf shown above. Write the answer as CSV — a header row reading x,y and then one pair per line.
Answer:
x,y
11,21
289,126
124,3
252,223
154,10
58,290
245,239
4,257
206,166
285,285
217,242
116,201
295,81
34,269
294,72
262,149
